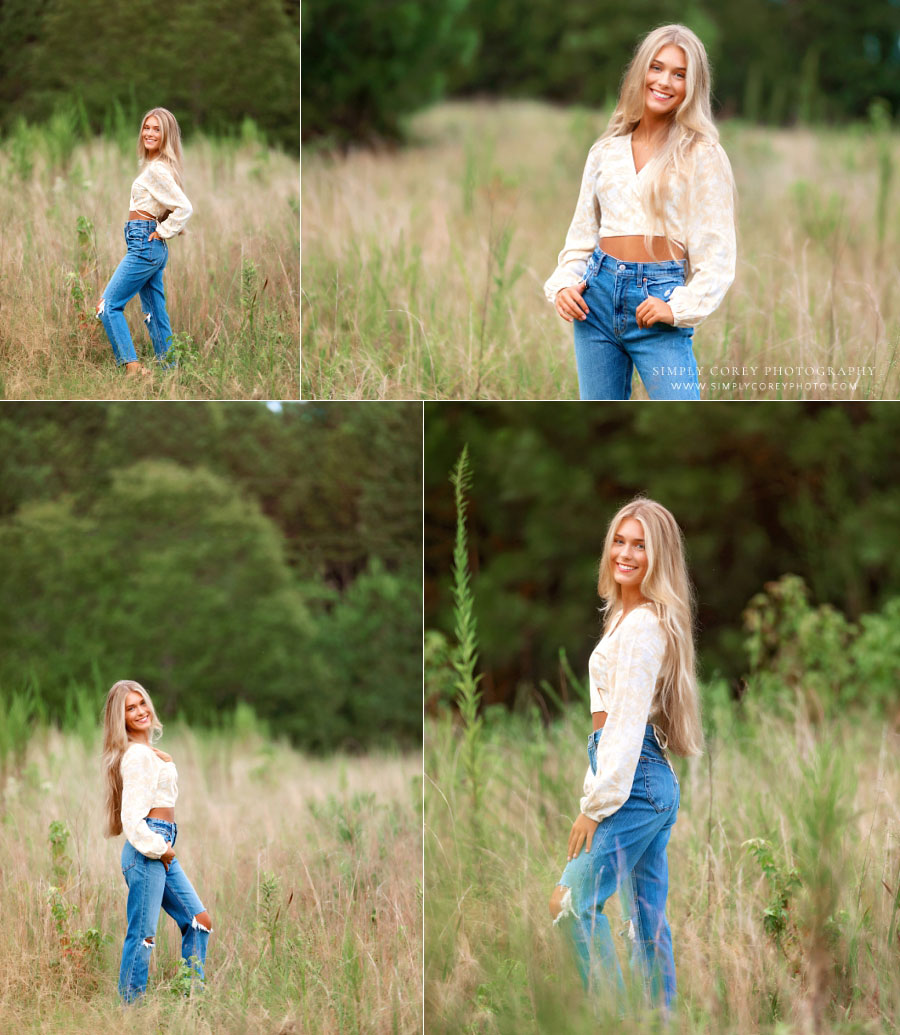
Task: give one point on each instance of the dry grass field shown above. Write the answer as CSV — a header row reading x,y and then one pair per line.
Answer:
x,y
422,267
309,868
798,938
231,280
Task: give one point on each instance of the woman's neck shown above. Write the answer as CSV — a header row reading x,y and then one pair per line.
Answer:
x,y
651,130
139,738
631,598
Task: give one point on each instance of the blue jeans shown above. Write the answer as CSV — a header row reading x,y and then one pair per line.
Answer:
x,y
609,344
151,887
140,272
629,853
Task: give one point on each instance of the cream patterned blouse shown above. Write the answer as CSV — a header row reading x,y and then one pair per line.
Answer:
x,y
699,216
155,192
624,671
147,783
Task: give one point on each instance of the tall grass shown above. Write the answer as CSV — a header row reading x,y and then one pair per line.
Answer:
x,y
231,280
756,950
423,267
310,869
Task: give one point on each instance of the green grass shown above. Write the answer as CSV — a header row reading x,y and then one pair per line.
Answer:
x,y
310,869
231,280
795,935
423,267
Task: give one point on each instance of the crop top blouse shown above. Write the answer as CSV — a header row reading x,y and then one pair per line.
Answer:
x,y
155,192
147,783
699,217
624,673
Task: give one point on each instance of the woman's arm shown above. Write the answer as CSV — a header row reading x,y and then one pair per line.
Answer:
x,y
711,246
138,785
640,651
160,182
583,233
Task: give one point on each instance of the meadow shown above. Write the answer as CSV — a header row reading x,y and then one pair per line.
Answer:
x,y
309,867
231,280
784,867
423,266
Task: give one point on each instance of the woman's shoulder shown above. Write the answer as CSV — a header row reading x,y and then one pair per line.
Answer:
x,y
642,620
141,752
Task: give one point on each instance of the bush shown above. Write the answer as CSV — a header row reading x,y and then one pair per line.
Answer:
x,y
367,65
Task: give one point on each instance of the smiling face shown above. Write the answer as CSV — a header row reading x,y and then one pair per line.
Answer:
x,y
665,85
138,715
151,134
628,554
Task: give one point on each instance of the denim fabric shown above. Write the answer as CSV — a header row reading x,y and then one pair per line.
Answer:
x,y
628,852
609,344
140,272
151,887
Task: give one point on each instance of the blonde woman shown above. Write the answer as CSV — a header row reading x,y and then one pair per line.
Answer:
x,y
159,211
643,703
657,200
141,790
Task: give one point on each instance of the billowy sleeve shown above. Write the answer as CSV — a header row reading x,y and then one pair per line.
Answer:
x,y
159,180
711,245
139,771
641,649
584,231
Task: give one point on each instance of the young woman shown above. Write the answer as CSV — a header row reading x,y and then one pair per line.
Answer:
x,y
643,702
141,790
657,194
159,210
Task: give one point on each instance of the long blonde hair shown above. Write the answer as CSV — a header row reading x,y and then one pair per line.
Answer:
x,y
667,585
690,124
169,142
115,744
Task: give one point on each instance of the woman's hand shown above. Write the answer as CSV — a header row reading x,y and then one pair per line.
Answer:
x,y
569,303
653,310
167,856
582,834
154,237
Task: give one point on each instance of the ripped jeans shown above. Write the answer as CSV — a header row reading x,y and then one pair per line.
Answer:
x,y
628,852
150,887
140,272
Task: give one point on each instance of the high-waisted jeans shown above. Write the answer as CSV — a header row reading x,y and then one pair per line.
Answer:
x,y
140,272
151,887
609,344
628,852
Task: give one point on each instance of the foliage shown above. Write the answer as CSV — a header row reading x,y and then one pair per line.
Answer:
x,y
225,555
783,880
221,62
465,654
827,663
367,65
759,490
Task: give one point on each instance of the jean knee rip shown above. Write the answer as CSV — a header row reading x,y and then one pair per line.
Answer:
x,y
147,318
565,906
195,923
101,307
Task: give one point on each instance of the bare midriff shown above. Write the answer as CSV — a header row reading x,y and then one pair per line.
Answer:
x,y
160,813
633,249
599,719
139,215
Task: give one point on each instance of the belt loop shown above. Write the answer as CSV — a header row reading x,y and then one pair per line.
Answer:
x,y
640,273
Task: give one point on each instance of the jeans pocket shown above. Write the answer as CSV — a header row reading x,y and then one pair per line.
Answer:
x,y
659,782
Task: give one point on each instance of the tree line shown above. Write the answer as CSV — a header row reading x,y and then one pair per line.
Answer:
x,y
760,490
212,64
367,66
217,554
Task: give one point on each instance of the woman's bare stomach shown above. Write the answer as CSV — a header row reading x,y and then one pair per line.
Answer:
x,y
599,720
633,249
160,813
